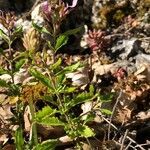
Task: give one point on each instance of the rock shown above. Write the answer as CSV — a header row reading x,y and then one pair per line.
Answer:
x,y
143,60
126,48
104,69
36,15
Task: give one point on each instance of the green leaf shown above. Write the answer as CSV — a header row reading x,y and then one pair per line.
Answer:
x,y
1,50
61,41
60,79
19,64
19,141
17,33
50,121
80,98
3,83
45,80
46,145
69,89
50,46
91,89
106,111
56,64
85,131
106,97
70,68
40,29
73,31
45,112
3,71
4,36
73,67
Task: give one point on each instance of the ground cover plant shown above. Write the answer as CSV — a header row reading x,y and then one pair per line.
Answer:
x,y
68,83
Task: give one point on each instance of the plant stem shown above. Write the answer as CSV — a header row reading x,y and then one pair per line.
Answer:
x,y
34,128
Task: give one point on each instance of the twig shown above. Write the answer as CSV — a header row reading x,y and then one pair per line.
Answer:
x,y
109,127
123,140
128,145
129,138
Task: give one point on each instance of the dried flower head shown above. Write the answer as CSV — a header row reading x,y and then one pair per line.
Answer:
x,y
7,20
120,73
33,92
96,40
31,40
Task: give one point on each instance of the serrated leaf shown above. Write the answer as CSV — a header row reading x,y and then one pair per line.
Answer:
x,y
73,31
80,98
3,83
40,29
45,80
50,121
19,141
61,41
45,112
19,64
86,132
106,111
46,145
70,68
4,36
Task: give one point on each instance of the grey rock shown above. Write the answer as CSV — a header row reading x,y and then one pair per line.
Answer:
x,y
127,48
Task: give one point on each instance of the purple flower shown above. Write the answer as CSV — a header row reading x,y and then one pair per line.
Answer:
x,y
46,10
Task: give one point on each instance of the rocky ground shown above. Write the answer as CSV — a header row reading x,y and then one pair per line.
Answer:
x,y
115,43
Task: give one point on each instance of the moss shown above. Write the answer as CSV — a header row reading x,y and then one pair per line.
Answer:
x,y
112,14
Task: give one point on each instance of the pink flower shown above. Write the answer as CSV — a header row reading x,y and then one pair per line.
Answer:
x,y
96,40
46,10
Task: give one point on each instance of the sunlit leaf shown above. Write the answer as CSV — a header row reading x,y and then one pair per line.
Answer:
x,y
85,131
61,41
19,64
45,112
50,121
4,36
45,80
80,98
46,145
106,111
56,64
40,29
70,68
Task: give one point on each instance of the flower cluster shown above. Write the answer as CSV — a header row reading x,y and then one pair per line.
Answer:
x,y
7,20
96,40
120,73
56,10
